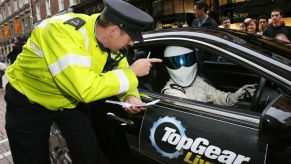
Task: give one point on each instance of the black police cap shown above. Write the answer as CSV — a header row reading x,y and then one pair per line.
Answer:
x,y
128,17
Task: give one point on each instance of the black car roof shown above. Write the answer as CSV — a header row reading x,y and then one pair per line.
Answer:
x,y
260,49
253,40
263,45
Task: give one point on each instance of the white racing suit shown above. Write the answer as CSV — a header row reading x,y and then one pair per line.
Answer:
x,y
200,90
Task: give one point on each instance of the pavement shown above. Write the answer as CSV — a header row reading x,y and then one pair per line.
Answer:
x,y
5,153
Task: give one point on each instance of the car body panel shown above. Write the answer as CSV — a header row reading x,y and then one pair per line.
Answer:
x,y
224,128
174,136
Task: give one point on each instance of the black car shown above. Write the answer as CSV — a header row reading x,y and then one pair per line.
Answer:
x,y
179,130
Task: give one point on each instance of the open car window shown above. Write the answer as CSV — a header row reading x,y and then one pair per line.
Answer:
x,y
215,68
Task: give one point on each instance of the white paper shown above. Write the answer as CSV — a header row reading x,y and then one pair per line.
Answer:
x,y
127,105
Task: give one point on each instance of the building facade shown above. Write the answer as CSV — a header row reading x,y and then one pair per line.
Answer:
x,y
15,21
42,9
19,17
237,12
180,12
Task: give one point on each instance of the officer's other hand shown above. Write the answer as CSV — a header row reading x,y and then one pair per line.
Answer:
x,y
142,67
135,101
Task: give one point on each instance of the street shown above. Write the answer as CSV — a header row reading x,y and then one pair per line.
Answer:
x,y
5,154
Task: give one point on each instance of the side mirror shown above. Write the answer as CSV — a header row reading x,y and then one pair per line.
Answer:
x,y
275,123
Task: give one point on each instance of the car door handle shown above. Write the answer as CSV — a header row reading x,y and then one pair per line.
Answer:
x,y
122,120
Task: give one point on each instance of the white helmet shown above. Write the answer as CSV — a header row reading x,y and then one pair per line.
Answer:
x,y
181,65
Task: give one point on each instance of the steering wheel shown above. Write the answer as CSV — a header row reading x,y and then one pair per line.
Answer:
x,y
257,96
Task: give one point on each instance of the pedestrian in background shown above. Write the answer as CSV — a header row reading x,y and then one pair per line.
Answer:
x,y
3,80
185,24
282,37
242,27
68,61
17,48
202,18
252,26
3,67
278,27
263,24
225,22
159,26
176,25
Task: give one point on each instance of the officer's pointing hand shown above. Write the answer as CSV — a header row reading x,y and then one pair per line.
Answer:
x,y
142,67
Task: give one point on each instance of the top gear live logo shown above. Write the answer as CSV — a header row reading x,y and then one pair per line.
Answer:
x,y
196,148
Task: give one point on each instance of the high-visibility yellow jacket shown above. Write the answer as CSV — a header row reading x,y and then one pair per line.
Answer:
x,y
61,66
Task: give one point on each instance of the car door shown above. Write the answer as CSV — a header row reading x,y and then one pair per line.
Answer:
x,y
178,130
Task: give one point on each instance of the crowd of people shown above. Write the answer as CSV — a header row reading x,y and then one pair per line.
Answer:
x,y
273,27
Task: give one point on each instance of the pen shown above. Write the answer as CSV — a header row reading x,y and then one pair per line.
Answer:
x,y
149,55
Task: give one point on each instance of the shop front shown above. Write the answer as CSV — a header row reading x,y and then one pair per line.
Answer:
x,y
239,11
179,13
169,12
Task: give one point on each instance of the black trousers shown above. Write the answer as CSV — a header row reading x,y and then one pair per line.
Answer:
x,y
28,130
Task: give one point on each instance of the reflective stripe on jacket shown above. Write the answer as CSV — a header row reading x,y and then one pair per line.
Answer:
x,y
61,66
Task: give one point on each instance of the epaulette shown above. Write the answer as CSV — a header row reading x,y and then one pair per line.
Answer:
x,y
76,22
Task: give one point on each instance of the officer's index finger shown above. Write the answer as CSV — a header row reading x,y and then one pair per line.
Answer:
x,y
155,60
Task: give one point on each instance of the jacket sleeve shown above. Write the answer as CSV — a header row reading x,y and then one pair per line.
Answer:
x,y
134,92
216,96
71,68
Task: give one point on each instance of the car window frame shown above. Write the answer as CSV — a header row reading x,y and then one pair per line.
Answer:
x,y
169,42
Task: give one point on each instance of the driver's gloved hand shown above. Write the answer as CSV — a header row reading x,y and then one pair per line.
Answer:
x,y
245,92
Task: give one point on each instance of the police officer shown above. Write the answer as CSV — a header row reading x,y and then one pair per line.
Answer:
x,y
69,60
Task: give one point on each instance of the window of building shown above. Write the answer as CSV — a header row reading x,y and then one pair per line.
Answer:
x,y
12,29
22,26
20,3
224,2
9,9
27,24
61,5
166,7
38,17
4,14
1,16
179,6
72,2
188,6
48,7
15,5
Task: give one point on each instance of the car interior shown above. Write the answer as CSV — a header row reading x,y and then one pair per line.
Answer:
x,y
225,74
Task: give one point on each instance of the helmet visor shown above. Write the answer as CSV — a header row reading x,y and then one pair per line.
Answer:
x,y
175,62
